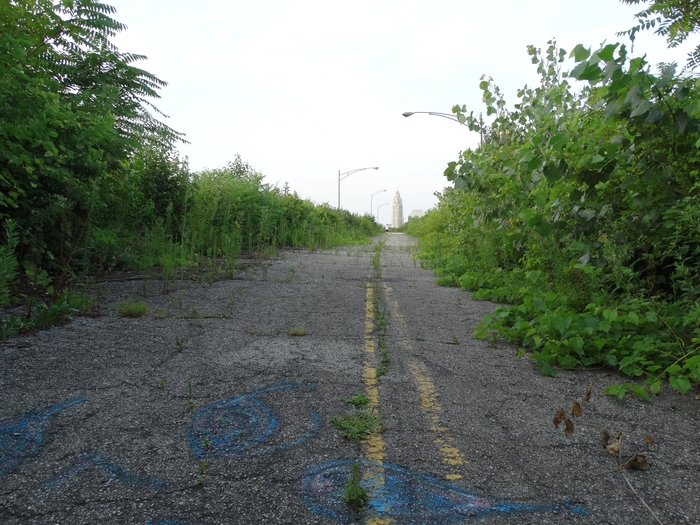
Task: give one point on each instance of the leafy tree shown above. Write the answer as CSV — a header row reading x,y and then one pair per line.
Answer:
x,y
72,110
675,20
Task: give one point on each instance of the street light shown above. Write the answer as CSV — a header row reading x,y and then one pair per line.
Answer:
x,y
345,175
449,116
443,115
378,210
370,200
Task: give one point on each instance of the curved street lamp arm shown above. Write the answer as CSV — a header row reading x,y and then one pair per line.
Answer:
x,y
448,116
371,198
345,175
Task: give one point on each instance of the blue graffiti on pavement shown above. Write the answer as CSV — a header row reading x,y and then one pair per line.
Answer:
x,y
240,425
112,470
416,498
22,436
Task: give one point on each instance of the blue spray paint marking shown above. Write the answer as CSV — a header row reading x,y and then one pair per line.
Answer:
x,y
408,496
112,470
22,436
237,426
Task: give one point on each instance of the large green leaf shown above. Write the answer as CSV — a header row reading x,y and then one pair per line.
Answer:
x,y
580,53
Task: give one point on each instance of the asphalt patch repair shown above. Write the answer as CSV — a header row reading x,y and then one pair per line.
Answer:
x,y
215,408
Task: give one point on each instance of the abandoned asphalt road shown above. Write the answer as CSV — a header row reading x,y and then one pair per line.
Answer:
x,y
208,411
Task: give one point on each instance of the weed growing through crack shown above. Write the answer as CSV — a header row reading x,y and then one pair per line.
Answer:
x,y
178,303
376,258
358,400
160,383
359,425
355,494
181,342
296,332
85,304
204,465
380,325
130,308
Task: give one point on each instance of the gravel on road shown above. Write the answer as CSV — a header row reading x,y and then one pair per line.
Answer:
x,y
216,408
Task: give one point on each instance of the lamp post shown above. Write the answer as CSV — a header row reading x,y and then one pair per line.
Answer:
x,y
449,116
372,197
386,203
345,175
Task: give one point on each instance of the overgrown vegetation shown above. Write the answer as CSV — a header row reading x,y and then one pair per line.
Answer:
x,y
358,425
380,315
355,494
91,181
581,210
127,307
358,400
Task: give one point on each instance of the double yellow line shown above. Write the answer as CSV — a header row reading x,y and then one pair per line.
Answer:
x,y
373,445
428,401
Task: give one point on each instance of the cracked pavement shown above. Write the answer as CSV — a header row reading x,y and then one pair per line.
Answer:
x,y
206,411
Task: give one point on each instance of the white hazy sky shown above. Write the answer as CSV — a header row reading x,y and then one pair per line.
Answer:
x,y
304,88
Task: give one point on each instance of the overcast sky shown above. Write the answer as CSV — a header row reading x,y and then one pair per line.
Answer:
x,y
302,89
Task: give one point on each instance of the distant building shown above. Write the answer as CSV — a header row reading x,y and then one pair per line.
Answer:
x,y
415,214
397,211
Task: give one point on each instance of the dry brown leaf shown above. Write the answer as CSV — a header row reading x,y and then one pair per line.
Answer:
x,y
587,397
605,375
697,397
614,447
576,409
649,439
559,417
606,438
636,462
569,429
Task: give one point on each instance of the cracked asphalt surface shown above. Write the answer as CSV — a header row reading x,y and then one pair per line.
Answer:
x,y
207,411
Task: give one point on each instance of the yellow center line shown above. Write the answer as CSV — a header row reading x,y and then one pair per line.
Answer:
x,y
428,402
451,455
373,445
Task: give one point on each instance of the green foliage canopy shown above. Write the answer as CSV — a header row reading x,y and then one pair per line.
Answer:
x,y
72,110
675,20
582,210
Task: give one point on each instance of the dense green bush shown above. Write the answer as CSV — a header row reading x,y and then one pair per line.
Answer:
x,y
90,180
581,209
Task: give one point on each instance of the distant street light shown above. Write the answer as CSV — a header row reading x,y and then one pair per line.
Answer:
x,y
370,200
449,116
345,175
386,203
443,115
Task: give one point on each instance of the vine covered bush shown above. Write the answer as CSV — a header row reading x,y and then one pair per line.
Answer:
x,y
581,210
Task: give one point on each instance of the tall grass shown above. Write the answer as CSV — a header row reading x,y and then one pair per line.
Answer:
x,y
231,210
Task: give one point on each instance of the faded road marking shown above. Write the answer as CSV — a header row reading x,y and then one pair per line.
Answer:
x,y
374,444
428,401
451,455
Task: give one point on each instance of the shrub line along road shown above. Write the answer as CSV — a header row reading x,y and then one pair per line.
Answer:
x,y
208,411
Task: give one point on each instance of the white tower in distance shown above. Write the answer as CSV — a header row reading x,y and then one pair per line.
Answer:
x,y
397,211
